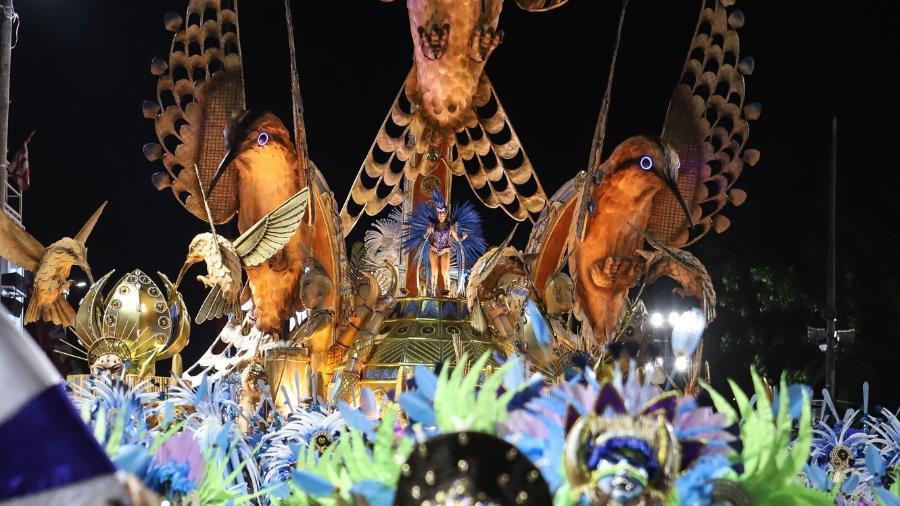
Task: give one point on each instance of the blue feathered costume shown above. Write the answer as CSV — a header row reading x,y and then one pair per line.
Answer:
x,y
459,235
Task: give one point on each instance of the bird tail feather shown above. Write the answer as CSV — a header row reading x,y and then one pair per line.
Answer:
x,y
60,312
33,313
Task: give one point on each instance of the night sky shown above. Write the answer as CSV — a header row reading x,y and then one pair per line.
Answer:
x,y
81,70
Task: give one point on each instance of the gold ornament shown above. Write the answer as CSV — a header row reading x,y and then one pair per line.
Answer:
x,y
133,326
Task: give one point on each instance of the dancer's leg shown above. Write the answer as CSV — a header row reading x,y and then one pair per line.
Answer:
x,y
434,263
445,270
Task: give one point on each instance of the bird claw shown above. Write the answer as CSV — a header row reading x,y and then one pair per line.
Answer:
x,y
614,270
206,280
483,42
434,41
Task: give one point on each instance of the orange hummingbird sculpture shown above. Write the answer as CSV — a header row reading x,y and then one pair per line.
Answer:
x,y
260,150
51,266
667,191
605,261
253,169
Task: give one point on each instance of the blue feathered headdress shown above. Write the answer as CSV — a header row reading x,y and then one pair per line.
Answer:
x,y
437,198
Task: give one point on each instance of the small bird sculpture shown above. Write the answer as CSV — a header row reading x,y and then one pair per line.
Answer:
x,y
224,259
51,266
605,261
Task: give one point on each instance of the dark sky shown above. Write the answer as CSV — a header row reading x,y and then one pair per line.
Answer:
x,y
81,70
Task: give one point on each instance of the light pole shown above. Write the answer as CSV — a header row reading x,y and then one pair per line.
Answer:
x,y
830,313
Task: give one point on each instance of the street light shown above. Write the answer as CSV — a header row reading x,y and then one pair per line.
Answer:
x,y
656,320
81,284
682,363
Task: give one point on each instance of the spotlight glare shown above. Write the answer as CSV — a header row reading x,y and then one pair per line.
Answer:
x,y
687,331
659,361
656,320
682,363
673,318
81,284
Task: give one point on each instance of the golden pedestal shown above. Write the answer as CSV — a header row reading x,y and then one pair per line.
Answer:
x,y
422,331
287,370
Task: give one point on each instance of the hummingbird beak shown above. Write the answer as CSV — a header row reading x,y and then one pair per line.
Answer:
x,y
671,181
81,261
229,157
184,268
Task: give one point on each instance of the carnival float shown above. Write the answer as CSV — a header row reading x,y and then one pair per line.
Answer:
x,y
426,364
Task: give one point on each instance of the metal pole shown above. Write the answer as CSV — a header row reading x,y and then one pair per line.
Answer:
x,y
830,309
6,25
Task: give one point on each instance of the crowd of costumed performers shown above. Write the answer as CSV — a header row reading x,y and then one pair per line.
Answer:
x,y
605,437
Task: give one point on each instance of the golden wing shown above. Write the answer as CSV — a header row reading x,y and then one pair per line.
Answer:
x,y
88,320
324,238
491,157
199,88
215,305
387,164
267,236
180,317
707,125
17,245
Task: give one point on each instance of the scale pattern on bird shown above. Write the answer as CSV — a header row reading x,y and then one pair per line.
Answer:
x,y
199,88
447,112
707,124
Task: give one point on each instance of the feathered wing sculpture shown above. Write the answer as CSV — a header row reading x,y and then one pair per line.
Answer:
x,y
224,259
488,152
384,238
707,124
199,88
51,266
447,112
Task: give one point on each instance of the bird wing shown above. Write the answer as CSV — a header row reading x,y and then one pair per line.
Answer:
x,y
268,235
549,237
199,88
707,125
491,157
386,164
215,305
488,153
17,245
384,238
85,232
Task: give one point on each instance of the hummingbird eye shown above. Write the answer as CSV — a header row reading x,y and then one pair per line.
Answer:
x,y
646,163
262,139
